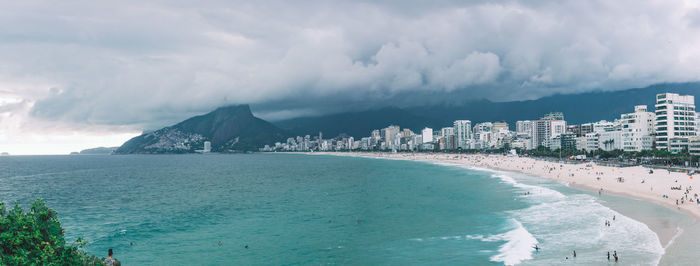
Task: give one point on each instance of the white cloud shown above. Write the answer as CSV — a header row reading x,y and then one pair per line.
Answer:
x,y
134,65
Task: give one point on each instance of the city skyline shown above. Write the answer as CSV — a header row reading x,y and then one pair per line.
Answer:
x,y
671,127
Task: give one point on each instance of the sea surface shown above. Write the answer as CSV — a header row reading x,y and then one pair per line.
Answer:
x,y
282,209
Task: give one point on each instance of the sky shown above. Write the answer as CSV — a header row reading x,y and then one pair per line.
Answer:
x,y
83,74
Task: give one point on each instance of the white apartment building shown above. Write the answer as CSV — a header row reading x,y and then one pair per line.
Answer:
x,y
589,142
523,127
675,121
540,132
603,126
610,140
545,129
463,131
448,134
637,129
390,135
427,134
483,135
557,127
447,131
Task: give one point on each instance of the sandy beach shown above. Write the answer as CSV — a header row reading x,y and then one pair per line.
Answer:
x,y
673,190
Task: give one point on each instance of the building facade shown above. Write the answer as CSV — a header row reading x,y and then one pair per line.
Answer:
x,y
463,133
637,129
675,121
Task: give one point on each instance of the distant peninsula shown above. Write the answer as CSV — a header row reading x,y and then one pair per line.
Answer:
x,y
228,129
96,151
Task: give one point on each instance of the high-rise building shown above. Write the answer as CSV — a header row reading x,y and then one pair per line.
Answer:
x,y
427,134
540,132
523,127
390,134
637,129
463,132
447,131
675,121
483,135
548,127
557,127
568,141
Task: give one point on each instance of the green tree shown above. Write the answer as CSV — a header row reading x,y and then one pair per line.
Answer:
x,y
37,238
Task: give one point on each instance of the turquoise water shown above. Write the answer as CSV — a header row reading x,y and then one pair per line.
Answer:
x,y
309,209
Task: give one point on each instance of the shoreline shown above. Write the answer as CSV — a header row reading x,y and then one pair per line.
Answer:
x,y
637,184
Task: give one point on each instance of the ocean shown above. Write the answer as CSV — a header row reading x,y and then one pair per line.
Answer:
x,y
285,209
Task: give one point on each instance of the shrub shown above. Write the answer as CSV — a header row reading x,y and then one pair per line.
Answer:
x,y
37,238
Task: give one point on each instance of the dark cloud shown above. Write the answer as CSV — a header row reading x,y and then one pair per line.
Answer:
x,y
147,64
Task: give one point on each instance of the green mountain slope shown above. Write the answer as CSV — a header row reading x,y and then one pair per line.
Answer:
x,y
231,128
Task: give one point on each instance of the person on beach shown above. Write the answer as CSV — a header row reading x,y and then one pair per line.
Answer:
x,y
615,255
608,255
574,253
110,261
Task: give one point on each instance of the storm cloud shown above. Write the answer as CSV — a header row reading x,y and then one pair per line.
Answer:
x,y
134,65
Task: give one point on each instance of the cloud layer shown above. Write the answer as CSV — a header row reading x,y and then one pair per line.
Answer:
x,y
134,65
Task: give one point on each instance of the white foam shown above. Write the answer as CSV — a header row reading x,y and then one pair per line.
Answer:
x,y
534,190
562,223
518,247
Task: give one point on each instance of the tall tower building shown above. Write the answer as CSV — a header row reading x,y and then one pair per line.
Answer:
x,y
427,134
675,121
463,133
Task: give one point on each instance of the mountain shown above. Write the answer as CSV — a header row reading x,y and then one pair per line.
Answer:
x,y
98,150
577,108
231,128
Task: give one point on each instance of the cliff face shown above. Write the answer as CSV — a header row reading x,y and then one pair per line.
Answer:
x,y
231,128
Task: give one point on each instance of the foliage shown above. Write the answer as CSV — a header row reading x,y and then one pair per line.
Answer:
x,y
36,238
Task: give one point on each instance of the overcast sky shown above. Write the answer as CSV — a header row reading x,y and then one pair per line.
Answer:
x,y
79,74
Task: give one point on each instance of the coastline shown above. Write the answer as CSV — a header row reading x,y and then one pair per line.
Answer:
x,y
638,184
